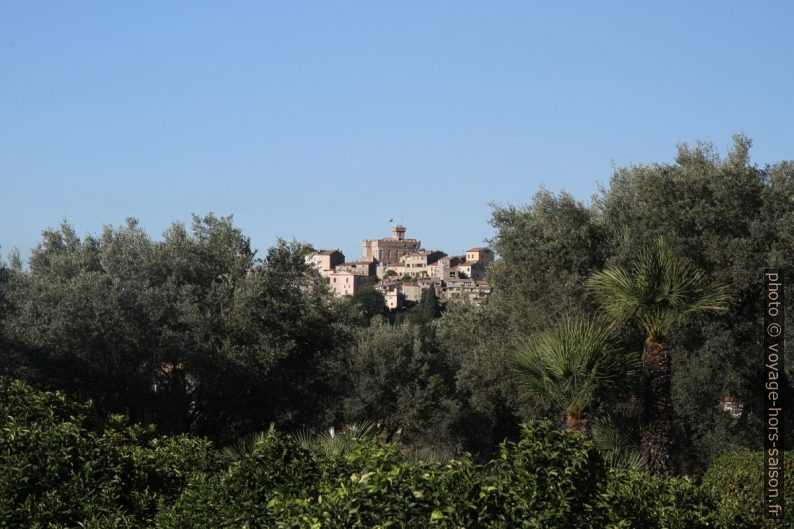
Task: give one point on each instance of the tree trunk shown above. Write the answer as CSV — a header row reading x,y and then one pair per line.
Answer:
x,y
657,437
577,422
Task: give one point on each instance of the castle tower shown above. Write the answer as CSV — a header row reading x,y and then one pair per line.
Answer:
x,y
398,233
389,250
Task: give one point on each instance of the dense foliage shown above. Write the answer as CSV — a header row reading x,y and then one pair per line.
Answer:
x,y
736,479
195,336
191,332
638,500
65,469
727,216
408,390
61,466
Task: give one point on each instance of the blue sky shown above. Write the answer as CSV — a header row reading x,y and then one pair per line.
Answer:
x,y
320,121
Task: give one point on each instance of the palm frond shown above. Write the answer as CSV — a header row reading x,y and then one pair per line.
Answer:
x,y
304,438
246,444
659,290
435,455
571,364
332,443
617,438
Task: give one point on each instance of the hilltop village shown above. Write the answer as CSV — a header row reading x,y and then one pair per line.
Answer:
x,y
401,270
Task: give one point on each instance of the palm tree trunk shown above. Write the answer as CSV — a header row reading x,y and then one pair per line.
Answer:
x,y
577,422
657,438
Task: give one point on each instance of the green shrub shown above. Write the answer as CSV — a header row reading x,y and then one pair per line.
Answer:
x,y
54,470
736,480
157,469
283,485
550,478
379,487
58,469
249,493
61,468
637,500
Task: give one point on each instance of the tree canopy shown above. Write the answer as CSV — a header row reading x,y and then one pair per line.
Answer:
x,y
195,332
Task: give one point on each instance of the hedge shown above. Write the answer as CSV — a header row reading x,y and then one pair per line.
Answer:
x,y
737,480
61,467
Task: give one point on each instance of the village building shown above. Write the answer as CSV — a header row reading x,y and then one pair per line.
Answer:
x,y
359,268
441,268
469,290
413,290
731,406
325,261
389,250
418,264
392,293
405,271
477,261
344,279
469,270
394,299
346,283
482,255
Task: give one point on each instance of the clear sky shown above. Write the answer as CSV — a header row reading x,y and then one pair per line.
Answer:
x,y
320,121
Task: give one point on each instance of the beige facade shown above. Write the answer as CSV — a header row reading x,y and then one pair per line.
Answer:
x,y
325,261
484,255
452,277
392,293
418,264
394,299
413,290
441,268
359,268
389,250
469,270
477,261
399,270
345,283
469,290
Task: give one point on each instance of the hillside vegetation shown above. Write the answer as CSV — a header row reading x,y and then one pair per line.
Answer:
x,y
547,405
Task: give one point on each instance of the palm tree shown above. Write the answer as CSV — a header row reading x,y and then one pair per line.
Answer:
x,y
246,445
573,365
617,436
332,443
659,291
